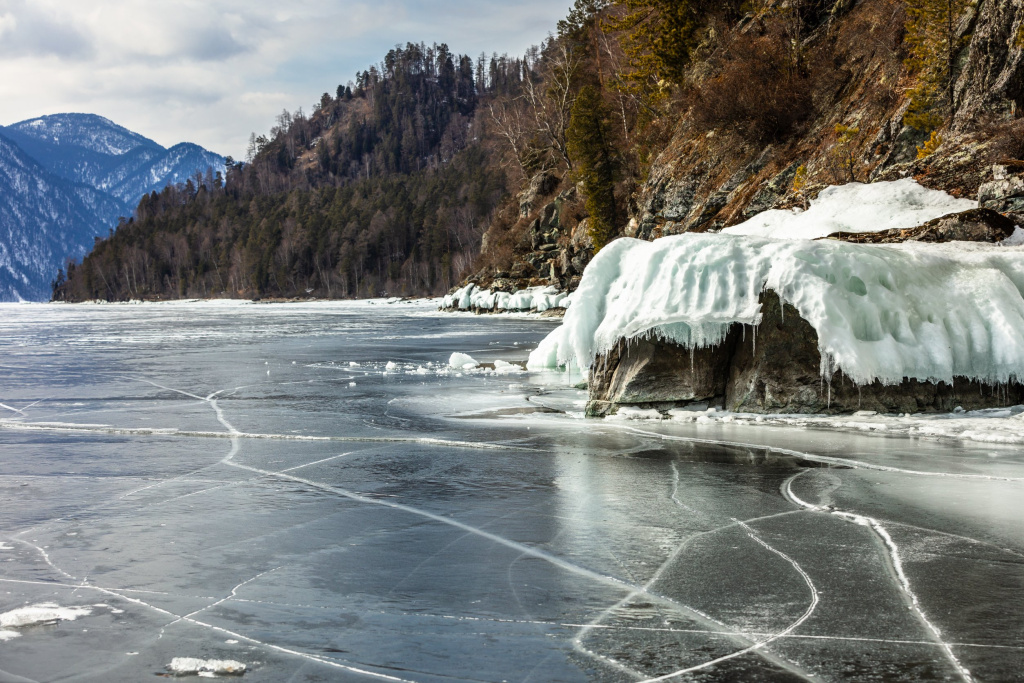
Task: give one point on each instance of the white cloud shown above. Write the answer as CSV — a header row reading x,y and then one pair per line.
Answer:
x,y
212,71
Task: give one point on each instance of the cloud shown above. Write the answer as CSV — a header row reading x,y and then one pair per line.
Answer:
x,y
30,31
212,71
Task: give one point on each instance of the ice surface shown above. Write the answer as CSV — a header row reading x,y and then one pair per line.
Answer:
x,y
885,312
456,525
183,666
856,207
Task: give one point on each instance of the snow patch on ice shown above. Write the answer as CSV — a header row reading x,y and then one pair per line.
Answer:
x,y
857,207
185,666
35,615
882,312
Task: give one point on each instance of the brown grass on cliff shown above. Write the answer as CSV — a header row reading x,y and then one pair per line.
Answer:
x,y
758,92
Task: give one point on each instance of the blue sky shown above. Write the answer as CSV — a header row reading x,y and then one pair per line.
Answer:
x,y
212,71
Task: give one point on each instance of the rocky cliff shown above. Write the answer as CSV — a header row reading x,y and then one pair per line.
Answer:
x,y
844,122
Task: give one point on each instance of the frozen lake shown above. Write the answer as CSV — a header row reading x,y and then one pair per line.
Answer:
x,y
254,483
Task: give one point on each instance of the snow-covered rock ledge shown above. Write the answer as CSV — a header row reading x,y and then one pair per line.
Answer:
x,y
757,324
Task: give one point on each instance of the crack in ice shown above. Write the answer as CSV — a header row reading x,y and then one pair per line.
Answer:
x,y
896,562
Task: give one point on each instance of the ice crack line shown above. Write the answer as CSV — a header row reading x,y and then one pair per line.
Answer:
x,y
704,619
520,547
13,410
194,434
896,561
231,595
766,641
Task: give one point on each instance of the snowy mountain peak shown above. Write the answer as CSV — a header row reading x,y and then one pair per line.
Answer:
x,y
67,178
88,131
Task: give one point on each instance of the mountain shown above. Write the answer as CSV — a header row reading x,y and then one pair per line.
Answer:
x,y
44,219
89,149
67,179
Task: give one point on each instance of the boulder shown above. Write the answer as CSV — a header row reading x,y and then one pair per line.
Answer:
x,y
541,185
773,368
976,225
1005,193
649,373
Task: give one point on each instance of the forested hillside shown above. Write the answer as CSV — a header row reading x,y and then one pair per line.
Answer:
x,y
635,117
385,188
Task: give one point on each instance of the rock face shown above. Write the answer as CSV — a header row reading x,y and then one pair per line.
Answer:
x,y
775,368
976,225
992,78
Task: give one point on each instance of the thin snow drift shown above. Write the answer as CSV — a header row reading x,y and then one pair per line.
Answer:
x,y
882,312
857,207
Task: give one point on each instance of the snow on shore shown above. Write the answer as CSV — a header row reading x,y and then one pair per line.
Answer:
x,y
882,312
856,207
537,299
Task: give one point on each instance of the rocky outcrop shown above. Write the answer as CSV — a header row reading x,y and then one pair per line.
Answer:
x,y
546,248
991,82
1005,193
773,368
976,225
706,180
541,185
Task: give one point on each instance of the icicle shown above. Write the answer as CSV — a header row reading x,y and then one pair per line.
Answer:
x,y
692,352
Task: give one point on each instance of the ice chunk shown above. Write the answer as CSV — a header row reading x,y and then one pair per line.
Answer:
x,y
391,366
503,368
857,207
462,361
43,613
184,666
886,312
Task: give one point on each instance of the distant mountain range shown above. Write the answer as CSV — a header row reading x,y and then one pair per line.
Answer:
x,y
66,179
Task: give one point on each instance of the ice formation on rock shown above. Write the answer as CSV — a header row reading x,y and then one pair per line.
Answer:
x,y
537,299
881,312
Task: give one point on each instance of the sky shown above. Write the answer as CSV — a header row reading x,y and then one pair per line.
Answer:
x,y
213,71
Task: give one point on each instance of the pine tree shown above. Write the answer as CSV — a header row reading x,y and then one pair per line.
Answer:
x,y
594,164
934,45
